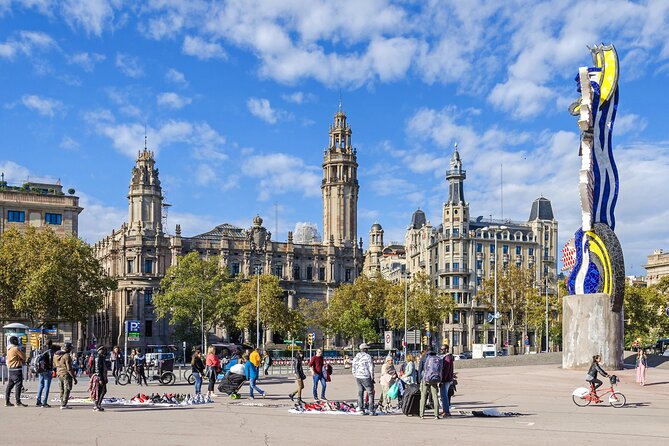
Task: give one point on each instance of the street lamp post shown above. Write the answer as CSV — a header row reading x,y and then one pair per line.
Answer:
x,y
258,308
547,337
495,230
406,301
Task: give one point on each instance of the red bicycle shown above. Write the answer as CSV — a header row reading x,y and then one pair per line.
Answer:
x,y
583,396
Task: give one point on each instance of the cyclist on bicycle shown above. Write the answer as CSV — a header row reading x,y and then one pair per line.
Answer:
x,y
591,377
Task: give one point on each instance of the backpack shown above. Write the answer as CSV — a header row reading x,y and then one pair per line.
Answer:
x,y
270,361
432,370
38,363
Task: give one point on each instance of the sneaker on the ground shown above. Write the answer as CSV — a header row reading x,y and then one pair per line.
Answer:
x,y
251,398
8,404
292,397
65,407
95,409
38,404
46,405
264,395
101,409
20,404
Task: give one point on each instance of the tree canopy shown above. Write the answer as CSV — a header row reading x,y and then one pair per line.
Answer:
x,y
48,276
274,313
645,317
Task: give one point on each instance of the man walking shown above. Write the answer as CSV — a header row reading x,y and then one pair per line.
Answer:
x,y
15,360
362,368
299,377
316,364
45,371
430,380
116,362
65,372
446,379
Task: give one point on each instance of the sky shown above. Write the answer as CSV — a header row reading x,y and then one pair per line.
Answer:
x,y
237,96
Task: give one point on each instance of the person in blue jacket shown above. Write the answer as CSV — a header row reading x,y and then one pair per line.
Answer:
x,y
251,372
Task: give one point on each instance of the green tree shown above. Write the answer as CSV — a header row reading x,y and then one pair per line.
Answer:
x,y
196,293
274,313
47,276
314,314
645,316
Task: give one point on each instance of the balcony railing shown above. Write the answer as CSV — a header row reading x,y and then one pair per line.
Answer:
x,y
459,287
454,271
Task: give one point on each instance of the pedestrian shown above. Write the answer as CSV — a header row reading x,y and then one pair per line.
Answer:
x,y
409,372
362,368
213,367
527,345
267,362
252,370
140,365
641,365
429,383
197,369
316,364
299,377
15,361
447,375
387,379
45,371
66,373
116,359
99,379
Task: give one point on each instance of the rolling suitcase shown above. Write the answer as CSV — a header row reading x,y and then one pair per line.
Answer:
x,y
411,400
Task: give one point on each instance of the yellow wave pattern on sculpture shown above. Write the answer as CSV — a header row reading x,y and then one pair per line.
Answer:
x,y
598,248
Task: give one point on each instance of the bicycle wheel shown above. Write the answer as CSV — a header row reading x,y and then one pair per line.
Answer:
x,y
581,401
190,379
123,379
617,399
167,378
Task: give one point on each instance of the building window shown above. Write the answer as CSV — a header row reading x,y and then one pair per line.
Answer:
x,y
479,264
456,338
148,328
296,272
479,247
456,282
517,250
456,231
131,266
478,280
456,267
530,251
16,216
234,269
310,272
347,274
278,271
479,317
456,317
492,249
148,266
148,297
447,249
128,297
53,219
321,274
505,249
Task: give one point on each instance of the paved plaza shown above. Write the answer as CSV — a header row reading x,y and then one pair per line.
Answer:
x,y
541,393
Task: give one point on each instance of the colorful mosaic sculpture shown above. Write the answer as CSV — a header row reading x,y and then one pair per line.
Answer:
x,y
599,266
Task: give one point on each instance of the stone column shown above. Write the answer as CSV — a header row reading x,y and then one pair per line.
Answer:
x,y
590,328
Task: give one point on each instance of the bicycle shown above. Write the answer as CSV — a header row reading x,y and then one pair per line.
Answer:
x,y
583,397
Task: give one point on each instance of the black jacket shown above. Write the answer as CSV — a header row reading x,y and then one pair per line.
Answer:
x,y
297,367
100,368
596,368
197,366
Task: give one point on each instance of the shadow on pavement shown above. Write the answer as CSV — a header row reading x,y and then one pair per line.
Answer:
x,y
656,384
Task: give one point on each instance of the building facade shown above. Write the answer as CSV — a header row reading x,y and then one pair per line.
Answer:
x,y
139,253
460,252
42,204
656,267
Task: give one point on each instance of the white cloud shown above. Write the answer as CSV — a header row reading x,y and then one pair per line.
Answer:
x,y
126,99
85,60
172,100
176,77
261,108
26,43
93,16
68,143
129,65
196,46
14,173
280,173
97,220
298,97
43,106
629,123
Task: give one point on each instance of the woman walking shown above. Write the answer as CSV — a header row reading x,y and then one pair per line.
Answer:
x,y
251,371
641,365
197,368
213,367
387,379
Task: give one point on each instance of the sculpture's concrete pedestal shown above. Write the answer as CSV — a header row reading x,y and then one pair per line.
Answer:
x,y
589,328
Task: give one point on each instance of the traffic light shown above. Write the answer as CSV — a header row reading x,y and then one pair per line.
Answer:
x,y
310,339
425,341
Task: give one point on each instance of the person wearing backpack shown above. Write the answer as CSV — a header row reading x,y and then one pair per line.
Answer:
x,y
447,376
65,372
431,377
44,368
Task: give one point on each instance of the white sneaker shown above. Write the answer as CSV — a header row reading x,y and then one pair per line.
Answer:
x,y
65,407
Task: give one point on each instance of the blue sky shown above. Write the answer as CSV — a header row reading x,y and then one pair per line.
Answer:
x,y
237,97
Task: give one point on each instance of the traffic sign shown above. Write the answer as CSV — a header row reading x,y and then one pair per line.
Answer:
x,y
132,328
388,340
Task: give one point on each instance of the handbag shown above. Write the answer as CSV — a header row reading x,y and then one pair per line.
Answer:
x,y
393,391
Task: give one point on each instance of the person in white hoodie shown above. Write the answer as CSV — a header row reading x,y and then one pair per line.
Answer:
x,y
363,371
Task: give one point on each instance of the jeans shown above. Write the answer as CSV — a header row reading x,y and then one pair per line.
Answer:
x,y
368,385
319,377
426,387
44,384
198,382
15,380
252,387
443,390
65,383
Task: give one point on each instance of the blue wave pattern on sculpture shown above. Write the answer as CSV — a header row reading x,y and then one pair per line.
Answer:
x,y
604,167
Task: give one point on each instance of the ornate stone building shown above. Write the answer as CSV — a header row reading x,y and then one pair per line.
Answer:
x,y
657,266
460,252
139,252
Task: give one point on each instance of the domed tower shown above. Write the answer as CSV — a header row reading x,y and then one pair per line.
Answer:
x,y
145,197
456,210
375,251
340,185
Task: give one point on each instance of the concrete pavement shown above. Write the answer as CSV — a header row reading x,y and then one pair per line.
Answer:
x,y
542,393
